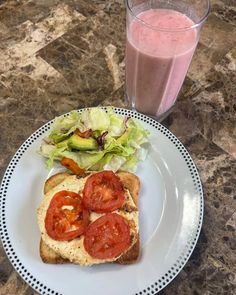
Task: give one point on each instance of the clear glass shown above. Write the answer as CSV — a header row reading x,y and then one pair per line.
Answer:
x,y
161,37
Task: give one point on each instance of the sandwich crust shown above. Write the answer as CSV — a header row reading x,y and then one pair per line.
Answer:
x,y
131,183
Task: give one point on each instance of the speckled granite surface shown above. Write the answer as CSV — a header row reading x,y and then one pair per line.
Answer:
x,y
60,55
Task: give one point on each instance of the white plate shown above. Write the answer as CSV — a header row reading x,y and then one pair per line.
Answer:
x,y
171,211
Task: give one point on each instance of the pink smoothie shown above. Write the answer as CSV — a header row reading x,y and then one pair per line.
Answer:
x,y
157,60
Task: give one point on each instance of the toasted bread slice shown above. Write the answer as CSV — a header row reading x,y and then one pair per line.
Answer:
x,y
131,182
54,180
50,256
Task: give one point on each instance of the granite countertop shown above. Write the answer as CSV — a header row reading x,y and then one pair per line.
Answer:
x,y
61,55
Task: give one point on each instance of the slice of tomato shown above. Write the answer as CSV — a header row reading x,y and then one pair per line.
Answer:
x,y
103,192
66,219
86,134
107,237
72,166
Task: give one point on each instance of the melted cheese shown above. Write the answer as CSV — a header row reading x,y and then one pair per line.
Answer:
x,y
74,250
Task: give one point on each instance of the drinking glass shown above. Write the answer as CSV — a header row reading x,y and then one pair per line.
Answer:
x,y
161,37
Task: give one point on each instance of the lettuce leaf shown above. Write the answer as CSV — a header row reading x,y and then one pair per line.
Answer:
x,y
95,119
125,141
63,127
117,124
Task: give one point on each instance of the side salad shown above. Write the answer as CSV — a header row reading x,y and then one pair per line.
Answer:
x,y
95,140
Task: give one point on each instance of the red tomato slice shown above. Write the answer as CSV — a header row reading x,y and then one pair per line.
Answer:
x,y
107,237
86,134
66,219
103,192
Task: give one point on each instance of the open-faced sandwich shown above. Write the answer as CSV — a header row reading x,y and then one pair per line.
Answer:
x,y
90,218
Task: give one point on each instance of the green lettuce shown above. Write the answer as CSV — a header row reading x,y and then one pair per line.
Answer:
x,y
117,124
124,140
63,127
95,119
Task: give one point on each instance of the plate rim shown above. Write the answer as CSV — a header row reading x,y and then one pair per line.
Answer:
x,y
183,257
